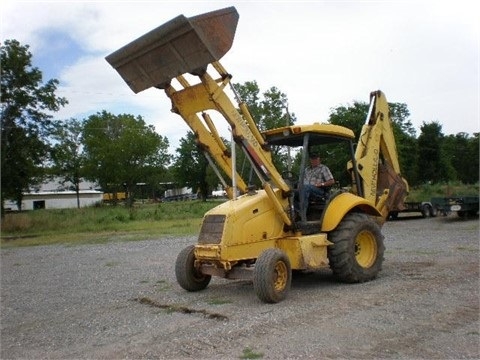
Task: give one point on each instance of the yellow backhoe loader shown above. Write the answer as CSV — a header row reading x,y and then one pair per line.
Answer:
x,y
263,234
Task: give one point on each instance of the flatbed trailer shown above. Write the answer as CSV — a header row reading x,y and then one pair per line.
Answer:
x,y
464,206
425,208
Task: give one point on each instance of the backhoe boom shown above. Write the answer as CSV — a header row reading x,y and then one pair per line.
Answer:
x,y
377,159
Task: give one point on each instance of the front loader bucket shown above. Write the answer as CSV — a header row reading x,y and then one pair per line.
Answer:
x,y
182,45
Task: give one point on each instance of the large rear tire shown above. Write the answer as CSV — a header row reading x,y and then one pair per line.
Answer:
x,y
357,251
272,276
187,276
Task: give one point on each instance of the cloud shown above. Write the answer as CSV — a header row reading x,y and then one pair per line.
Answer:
x,y
321,54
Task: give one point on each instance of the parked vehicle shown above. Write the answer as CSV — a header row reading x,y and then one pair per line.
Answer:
x,y
264,234
464,206
425,208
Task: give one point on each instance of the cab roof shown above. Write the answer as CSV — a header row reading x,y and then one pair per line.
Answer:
x,y
319,134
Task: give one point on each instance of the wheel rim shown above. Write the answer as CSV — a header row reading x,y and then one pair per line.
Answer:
x,y
365,249
281,276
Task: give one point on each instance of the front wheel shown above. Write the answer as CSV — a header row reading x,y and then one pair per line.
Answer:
x,y
357,251
188,277
272,276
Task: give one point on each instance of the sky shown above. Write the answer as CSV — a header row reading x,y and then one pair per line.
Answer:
x,y
321,54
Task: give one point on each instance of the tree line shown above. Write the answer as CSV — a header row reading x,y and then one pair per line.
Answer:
x,y
119,151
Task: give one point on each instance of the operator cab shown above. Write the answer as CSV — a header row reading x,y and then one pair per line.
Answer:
x,y
334,144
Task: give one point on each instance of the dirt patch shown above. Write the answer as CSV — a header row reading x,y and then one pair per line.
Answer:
x,y
181,309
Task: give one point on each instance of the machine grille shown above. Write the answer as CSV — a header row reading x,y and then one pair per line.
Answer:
x,y
212,229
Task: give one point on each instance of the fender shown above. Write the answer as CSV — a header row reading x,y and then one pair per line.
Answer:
x,y
340,204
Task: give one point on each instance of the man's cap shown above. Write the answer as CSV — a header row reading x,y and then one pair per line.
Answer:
x,y
314,155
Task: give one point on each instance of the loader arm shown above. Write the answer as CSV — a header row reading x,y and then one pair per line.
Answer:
x,y
194,46
377,162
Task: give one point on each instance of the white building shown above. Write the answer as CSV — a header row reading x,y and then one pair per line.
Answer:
x,y
179,194
54,195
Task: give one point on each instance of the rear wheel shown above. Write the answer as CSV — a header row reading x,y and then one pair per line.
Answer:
x,y
426,211
188,277
357,251
272,276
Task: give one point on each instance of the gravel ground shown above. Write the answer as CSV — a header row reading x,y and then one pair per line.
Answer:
x,y
121,300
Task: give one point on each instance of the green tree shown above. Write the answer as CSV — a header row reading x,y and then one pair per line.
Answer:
x,y
26,117
406,141
354,117
190,166
473,172
433,164
350,116
67,153
249,93
269,111
122,151
461,152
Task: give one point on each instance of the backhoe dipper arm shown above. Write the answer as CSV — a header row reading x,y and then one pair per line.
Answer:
x,y
377,159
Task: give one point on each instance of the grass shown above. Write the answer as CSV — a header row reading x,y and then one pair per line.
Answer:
x,y
248,353
103,224
112,263
219,301
426,192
